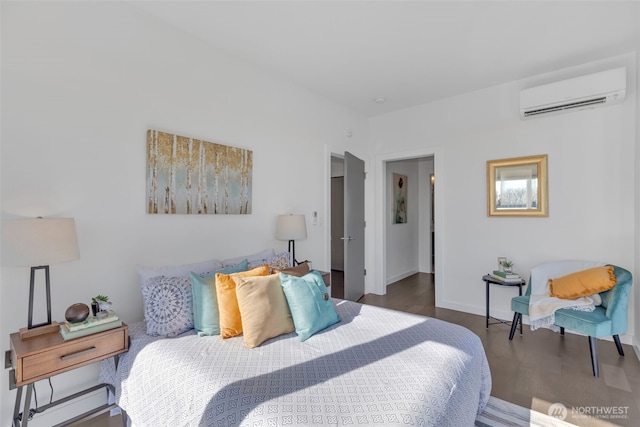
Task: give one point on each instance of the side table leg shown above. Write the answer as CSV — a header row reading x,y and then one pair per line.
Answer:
x,y
27,406
487,300
16,408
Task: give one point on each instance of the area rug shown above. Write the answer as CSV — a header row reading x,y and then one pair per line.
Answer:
x,y
500,413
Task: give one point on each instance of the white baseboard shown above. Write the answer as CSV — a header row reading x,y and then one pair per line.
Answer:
x,y
636,348
395,278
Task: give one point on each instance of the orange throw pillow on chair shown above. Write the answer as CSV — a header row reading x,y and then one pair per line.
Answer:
x,y
583,283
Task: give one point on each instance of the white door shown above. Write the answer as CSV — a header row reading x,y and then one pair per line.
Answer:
x,y
353,227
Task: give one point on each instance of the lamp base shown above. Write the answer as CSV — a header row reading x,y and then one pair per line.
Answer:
x,y
26,333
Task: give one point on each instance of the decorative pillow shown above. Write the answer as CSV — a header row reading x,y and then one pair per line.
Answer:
x,y
583,283
275,262
253,257
308,299
206,317
167,305
298,271
263,309
230,320
204,267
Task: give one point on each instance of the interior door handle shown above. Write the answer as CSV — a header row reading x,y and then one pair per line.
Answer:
x,y
348,239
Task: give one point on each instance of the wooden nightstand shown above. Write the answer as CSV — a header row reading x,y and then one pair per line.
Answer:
x,y
44,356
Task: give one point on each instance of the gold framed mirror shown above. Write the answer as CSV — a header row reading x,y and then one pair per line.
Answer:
x,y
517,186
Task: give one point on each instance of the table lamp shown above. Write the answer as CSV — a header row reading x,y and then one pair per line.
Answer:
x,y
291,228
38,243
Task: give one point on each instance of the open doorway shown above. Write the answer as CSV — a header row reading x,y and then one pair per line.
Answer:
x,y
337,227
389,263
409,221
407,190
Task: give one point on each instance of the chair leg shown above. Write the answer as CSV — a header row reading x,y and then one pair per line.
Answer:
x,y
616,338
561,330
593,346
517,317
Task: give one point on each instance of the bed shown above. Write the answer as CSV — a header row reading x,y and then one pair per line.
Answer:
x,y
375,367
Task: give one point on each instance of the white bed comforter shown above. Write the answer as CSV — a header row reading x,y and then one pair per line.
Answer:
x,y
375,367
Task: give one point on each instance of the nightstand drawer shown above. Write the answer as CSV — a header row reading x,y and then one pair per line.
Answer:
x,y
72,354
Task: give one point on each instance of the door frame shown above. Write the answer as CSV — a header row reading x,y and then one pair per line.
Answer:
x,y
380,250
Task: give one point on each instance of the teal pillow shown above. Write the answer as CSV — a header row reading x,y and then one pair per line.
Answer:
x,y
206,317
309,303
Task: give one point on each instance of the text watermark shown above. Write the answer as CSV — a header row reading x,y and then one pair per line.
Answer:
x,y
561,412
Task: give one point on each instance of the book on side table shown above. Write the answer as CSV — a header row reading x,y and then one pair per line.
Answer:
x,y
506,277
91,325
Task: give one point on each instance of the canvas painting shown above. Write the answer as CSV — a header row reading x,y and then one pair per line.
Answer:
x,y
399,199
192,176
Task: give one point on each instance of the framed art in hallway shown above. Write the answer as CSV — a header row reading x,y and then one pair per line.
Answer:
x,y
399,198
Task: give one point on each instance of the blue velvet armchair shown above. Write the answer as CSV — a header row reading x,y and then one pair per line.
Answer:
x,y
608,319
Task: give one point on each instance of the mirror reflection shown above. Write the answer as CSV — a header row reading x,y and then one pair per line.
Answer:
x,y
517,186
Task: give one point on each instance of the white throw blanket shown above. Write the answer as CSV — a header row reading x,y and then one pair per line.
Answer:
x,y
542,306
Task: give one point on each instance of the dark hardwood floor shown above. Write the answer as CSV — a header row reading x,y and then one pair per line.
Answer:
x,y
538,368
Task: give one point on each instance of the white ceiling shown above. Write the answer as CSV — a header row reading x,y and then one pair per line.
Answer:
x,y
409,52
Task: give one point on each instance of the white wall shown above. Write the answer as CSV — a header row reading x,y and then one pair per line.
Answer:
x,y
636,301
81,84
591,183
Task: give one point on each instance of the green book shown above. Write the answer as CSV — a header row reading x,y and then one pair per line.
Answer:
x,y
92,321
69,335
506,275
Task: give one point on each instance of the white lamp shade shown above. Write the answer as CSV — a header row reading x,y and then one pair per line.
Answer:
x,y
38,242
291,227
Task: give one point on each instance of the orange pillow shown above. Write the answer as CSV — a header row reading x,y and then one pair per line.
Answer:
x,y
583,283
230,319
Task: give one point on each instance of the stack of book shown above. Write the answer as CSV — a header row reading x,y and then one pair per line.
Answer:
x,y
90,326
506,277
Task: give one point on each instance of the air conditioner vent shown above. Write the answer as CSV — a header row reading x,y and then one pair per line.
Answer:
x,y
578,104
590,91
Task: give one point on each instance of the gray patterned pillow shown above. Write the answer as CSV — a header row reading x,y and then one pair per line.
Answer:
x,y
167,305
276,262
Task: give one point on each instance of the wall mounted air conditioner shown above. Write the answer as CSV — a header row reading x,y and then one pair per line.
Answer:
x,y
590,91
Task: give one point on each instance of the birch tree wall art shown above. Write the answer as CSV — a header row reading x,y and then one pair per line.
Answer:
x,y
191,176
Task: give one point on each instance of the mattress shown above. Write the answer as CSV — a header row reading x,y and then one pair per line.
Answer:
x,y
375,367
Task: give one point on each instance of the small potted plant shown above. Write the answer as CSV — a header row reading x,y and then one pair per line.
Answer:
x,y
100,303
507,265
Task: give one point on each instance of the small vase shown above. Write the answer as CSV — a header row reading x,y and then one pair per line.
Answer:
x,y
508,269
104,305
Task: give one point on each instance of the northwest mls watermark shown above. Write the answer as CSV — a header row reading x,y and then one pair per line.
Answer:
x,y
561,412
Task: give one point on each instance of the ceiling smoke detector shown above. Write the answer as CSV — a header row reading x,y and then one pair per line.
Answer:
x,y
380,100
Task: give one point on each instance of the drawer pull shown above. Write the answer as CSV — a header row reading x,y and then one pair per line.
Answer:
x,y
79,353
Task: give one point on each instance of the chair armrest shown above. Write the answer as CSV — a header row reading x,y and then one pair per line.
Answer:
x,y
617,300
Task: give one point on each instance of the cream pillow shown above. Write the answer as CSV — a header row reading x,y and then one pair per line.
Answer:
x,y
263,309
